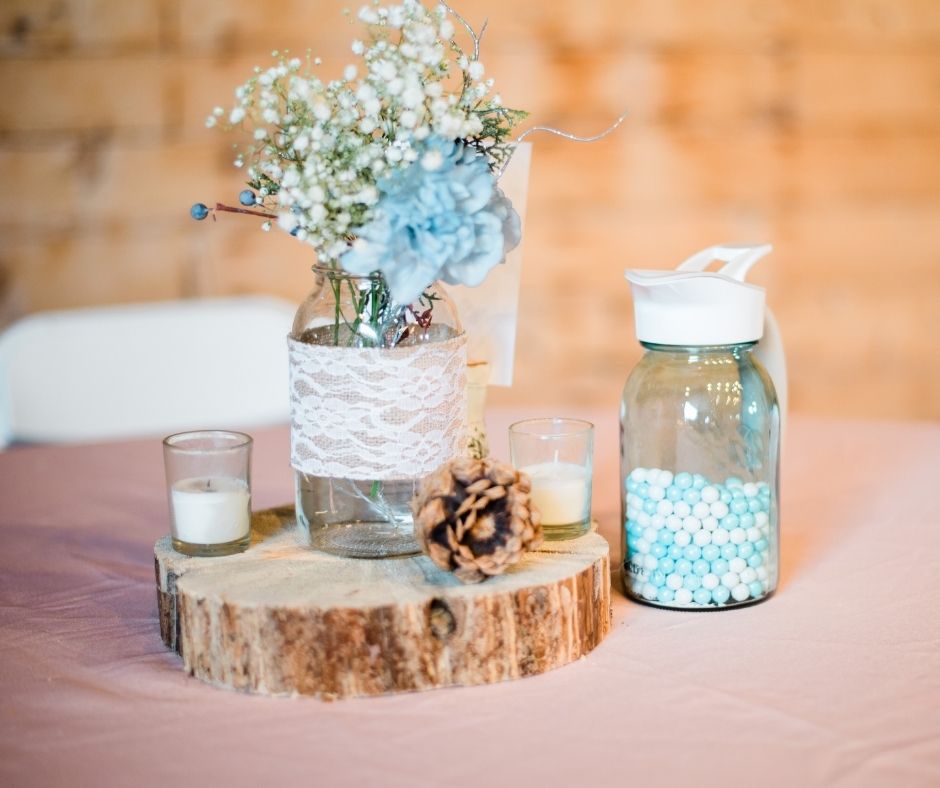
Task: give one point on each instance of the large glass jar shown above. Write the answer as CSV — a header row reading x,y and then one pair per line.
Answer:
x,y
700,442
373,348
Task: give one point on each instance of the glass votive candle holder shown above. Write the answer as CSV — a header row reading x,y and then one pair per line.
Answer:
x,y
208,477
557,454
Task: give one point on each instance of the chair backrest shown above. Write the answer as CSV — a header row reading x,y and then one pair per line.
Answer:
x,y
147,369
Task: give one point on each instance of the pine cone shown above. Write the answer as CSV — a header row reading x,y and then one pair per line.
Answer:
x,y
474,517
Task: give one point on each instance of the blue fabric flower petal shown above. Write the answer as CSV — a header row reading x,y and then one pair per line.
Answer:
x,y
448,222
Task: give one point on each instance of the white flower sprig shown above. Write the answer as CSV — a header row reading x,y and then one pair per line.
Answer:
x,y
320,147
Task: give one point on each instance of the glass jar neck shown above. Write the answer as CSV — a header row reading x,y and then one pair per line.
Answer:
x,y
328,272
701,350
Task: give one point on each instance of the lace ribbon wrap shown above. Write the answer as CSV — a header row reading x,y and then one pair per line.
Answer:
x,y
381,414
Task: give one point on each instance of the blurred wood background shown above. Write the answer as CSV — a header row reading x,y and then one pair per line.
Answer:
x,y
813,124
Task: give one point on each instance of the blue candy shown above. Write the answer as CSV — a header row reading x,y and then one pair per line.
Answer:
x,y
721,595
756,589
701,567
702,596
665,594
691,582
692,552
710,552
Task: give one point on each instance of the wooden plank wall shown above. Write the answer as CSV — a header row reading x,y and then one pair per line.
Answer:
x,y
814,124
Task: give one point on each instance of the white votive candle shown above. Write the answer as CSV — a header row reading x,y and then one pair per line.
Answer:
x,y
210,510
561,491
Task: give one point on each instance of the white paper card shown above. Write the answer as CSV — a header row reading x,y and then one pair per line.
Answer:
x,y
489,313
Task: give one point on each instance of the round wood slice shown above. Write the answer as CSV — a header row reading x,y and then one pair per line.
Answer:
x,y
282,619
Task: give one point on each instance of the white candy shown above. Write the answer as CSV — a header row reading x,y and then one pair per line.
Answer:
x,y
750,489
631,513
730,580
683,596
760,519
664,479
683,538
692,524
762,573
650,534
664,508
638,475
710,523
674,523
737,565
649,591
753,534
701,510
655,493
681,509
702,538
642,546
720,536
710,581
674,581
719,509
740,592
737,536
643,520
650,562
657,521
710,494
748,575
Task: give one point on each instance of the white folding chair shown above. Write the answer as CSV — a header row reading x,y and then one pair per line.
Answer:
x,y
147,369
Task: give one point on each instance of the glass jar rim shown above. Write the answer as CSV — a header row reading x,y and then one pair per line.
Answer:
x,y
322,268
531,427
177,441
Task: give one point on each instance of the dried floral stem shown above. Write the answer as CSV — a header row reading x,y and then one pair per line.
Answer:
x,y
233,209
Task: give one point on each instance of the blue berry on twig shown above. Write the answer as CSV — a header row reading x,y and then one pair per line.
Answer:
x,y
247,197
199,211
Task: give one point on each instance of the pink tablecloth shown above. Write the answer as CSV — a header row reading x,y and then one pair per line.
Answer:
x,y
835,681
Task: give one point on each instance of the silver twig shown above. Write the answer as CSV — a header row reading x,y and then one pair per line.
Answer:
x,y
469,28
558,132
568,135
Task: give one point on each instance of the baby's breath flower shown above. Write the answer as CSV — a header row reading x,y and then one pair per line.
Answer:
x,y
319,148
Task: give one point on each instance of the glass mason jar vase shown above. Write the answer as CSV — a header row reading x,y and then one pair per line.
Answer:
x,y
700,441
374,386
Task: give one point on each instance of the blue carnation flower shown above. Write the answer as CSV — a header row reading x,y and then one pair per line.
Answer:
x,y
442,217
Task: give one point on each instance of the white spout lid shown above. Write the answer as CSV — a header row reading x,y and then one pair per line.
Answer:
x,y
691,306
